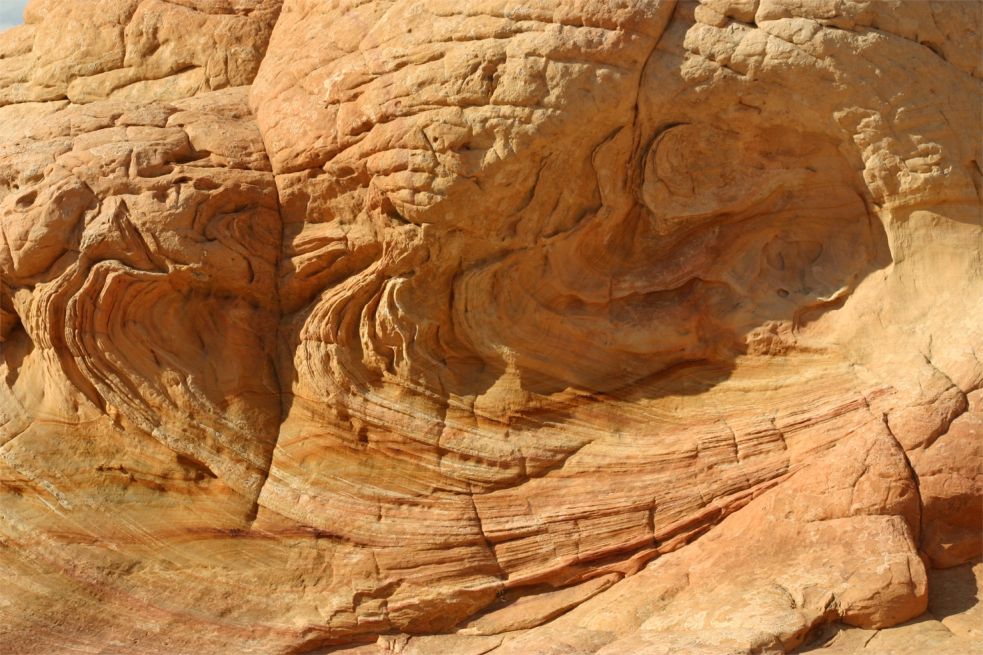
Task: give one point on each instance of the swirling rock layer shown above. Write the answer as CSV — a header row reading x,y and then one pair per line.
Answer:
x,y
562,327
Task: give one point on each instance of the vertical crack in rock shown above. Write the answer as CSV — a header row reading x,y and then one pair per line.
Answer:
x,y
914,476
276,358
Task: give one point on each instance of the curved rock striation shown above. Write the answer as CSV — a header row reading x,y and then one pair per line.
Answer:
x,y
426,327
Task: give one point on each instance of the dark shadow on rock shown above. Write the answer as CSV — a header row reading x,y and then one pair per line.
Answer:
x,y
952,591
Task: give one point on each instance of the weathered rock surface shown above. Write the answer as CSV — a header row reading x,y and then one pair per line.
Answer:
x,y
432,327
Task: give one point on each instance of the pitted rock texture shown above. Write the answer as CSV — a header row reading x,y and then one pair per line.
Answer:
x,y
430,327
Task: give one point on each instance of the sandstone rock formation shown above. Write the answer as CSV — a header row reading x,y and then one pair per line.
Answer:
x,y
430,327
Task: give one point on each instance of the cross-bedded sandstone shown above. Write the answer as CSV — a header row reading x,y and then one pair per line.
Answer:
x,y
550,327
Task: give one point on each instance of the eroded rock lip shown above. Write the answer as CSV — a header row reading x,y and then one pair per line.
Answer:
x,y
423,326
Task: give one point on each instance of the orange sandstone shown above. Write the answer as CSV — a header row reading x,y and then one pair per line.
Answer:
x,y
558,327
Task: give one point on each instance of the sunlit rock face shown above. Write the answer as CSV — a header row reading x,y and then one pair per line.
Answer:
x,y
430,327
